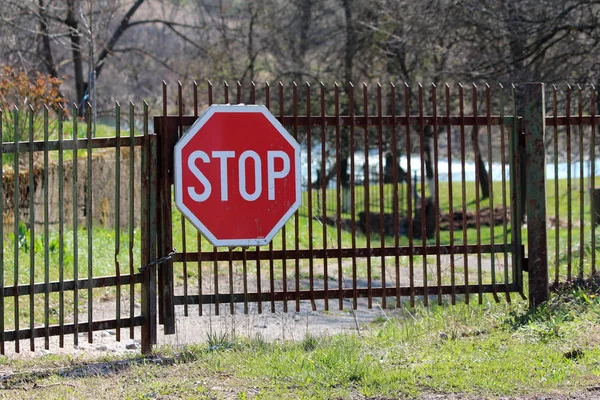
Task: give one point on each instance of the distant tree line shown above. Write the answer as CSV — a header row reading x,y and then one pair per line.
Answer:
x,y
123,49
131,45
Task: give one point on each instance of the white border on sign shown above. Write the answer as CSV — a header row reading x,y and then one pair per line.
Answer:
x,y
190,133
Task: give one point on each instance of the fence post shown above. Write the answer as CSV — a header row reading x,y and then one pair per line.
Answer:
x,y
535,190
149,241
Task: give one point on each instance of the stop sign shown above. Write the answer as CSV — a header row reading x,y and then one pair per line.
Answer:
x,y
237,175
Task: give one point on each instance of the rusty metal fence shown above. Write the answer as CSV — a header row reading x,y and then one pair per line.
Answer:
x,y
573,203
365,230
410,195
72,209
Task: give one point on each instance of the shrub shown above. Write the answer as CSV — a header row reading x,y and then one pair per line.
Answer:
x,y
22,99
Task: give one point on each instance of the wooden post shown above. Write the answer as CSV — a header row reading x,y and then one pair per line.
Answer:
x,y
535,157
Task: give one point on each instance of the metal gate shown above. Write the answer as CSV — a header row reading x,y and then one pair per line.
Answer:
x,y
395,202
412,195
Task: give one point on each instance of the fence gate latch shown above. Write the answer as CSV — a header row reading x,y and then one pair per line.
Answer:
x,y
160,260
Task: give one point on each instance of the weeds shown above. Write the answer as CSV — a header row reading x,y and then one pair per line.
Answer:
x,y
310,342
219,341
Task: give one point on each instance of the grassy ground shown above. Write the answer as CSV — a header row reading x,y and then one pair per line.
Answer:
x,y
490,350
486,351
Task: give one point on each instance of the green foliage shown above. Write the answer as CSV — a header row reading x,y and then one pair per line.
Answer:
x,y
220,341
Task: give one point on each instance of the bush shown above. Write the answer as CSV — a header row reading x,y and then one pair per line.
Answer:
x,y
22,99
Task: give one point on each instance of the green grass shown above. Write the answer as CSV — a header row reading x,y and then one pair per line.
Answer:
x,y
489,351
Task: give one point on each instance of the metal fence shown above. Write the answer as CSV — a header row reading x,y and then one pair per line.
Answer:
x,y
395,208
370,234
571,129
72,209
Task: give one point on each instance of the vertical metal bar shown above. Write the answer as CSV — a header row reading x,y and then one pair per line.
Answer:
x,y
180,113
166,228
488,103
230,250
244,255
569,189
381,195
423,214
504,197
396,197
338,194
450,199
477,153
593,100
149,220
353,197
117,221
230,270
2,194
556,198
463,188
16,227
215,251
88,200
46,236
257,248
581,183
283,230
145,248
195,96
534,126
311,266
198,235
31,233
516,193
324,185
296,219
131,222
75,231
61,230
161,130
367,197
245,279
271,261
409,191
436,199
151,217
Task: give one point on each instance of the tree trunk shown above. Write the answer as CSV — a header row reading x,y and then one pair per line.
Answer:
x,y
75,36
428,139
348,66
45,49
484,179
123,26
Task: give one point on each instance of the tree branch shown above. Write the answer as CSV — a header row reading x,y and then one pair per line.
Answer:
x,y
123,26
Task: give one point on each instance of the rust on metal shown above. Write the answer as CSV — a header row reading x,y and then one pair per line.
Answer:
x,y
534,127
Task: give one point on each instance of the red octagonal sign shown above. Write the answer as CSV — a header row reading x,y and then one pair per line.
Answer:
x,y
237,175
